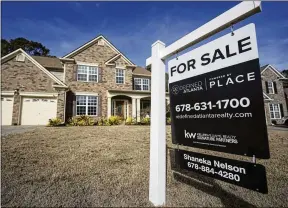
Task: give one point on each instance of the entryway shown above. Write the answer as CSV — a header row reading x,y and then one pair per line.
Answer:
x,y
120,108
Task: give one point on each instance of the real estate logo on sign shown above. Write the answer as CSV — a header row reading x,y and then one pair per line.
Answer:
x,y
216,96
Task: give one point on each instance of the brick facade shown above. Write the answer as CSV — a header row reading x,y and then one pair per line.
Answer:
x,y
278,98
27,77
107,76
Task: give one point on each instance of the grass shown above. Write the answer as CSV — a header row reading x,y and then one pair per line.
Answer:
x,y
109,166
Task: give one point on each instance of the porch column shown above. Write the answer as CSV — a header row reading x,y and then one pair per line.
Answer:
x,y
109,107
138,110
133,108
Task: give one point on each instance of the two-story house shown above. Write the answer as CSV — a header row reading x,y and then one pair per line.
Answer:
x,y
273,84
95,79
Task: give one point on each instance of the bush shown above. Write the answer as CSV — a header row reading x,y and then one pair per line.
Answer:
x,y
130,121
114,120
145,121
168,120
103,122
81,121
55,122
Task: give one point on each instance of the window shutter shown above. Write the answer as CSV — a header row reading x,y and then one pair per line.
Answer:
x,y
74,105
75,72
99,106
99,75
275,87
69,104
281,110
266,85
133,83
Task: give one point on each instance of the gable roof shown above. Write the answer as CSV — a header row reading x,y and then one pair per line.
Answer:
x,y
269,66
141,71
93,41
108,62
263,67
20,50
49,62
266,97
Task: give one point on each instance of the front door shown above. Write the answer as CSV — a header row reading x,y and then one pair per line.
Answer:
x,y
119,108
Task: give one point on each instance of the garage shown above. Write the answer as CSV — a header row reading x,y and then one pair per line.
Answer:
x,y
6,110
38,111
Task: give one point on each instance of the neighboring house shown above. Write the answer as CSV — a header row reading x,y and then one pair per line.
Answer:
x,y
95,79
274,87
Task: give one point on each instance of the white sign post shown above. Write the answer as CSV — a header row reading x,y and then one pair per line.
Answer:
x,y
157,183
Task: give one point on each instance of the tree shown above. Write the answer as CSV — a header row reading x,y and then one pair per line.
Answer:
x,y
285,73
30,47
4,47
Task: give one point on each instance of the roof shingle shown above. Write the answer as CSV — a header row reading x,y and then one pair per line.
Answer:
x,y
49,62
141,71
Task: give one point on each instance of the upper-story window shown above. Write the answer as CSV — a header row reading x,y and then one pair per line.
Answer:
x,y
87,73
271,88
141,84
120,76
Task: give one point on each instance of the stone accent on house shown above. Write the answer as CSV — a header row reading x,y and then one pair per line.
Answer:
x,y
107,75
16,109
278,97
27,77
61,104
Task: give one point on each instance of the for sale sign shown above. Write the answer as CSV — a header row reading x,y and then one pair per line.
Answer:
x,y
244,174
216,96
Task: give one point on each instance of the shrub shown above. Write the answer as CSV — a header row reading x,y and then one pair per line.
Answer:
x,y
102,121
82,120
168,120
145,121
73,121
114,120
130,121
55,122
107,122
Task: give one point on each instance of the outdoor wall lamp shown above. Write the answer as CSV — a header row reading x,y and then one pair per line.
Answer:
x,y
16,91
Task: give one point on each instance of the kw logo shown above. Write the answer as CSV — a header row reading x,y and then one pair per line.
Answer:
x,y
189,135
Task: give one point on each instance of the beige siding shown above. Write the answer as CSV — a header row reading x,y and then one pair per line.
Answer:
x,y
58,73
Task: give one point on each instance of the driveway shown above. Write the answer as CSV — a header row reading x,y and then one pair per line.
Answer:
x,y
6,130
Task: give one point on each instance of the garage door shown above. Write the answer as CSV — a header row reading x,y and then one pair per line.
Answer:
x,y
6,111
38,111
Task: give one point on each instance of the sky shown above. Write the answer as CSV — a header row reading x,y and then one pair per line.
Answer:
x,y
134,26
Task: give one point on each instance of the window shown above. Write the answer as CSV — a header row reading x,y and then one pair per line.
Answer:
x,y
119,76
141,84
270,88
86,105
275,111
87,73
